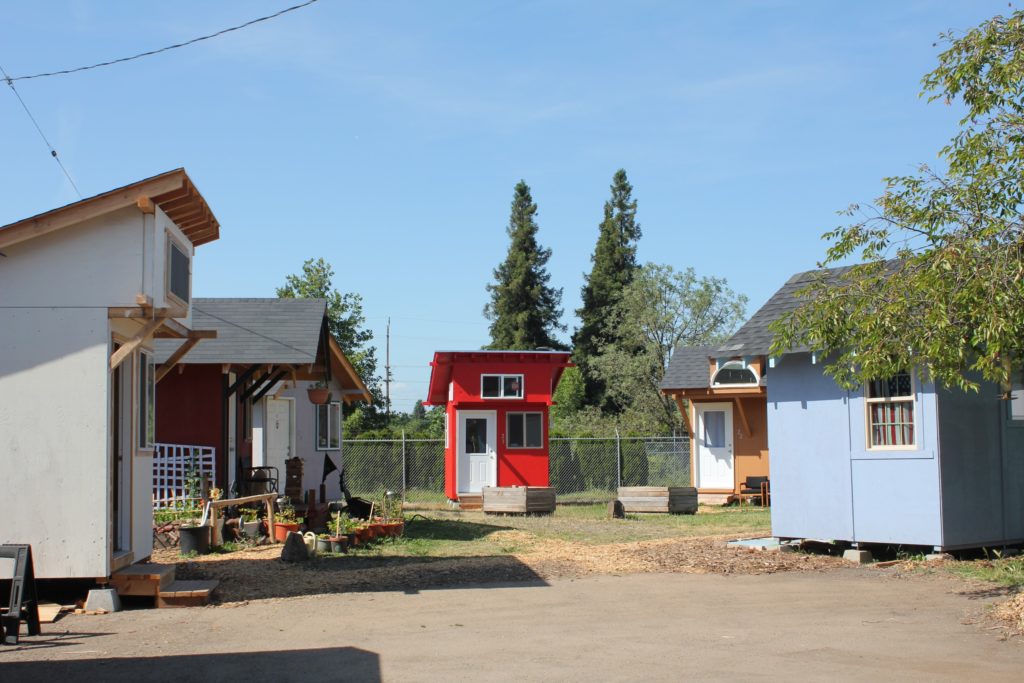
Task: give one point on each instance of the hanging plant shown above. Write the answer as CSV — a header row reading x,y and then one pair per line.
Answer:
x,y
319,393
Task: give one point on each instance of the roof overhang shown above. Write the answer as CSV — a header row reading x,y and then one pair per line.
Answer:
x,y
444,362
173,192
342,371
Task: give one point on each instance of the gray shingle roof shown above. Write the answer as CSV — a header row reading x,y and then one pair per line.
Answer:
x,y
688,368
253,331
754,338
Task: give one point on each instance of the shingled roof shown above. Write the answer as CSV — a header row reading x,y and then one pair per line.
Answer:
x,y
689,368
274,331
754,338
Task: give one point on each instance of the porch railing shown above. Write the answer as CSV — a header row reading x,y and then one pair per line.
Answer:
x,y
175,466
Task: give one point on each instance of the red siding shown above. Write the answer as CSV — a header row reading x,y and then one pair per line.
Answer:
x,y
518,466
189,410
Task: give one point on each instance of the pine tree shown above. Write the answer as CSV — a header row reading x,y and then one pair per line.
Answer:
x,y
524,310
615,264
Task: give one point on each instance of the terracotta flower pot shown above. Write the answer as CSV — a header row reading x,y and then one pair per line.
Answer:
x,y
363,534
318,396
378,530
281,530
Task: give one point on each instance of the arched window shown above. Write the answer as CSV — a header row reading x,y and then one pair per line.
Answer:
x,y
734,374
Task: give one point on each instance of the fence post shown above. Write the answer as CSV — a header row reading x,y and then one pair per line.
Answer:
x,y
405,466
618,457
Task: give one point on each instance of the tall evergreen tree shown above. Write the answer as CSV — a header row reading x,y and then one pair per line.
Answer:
x,y
524,310
614,266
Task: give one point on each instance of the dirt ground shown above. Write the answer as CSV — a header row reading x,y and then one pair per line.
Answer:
x,y
846,624
255,573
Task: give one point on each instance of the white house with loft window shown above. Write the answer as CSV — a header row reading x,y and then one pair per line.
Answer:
x,y
84,290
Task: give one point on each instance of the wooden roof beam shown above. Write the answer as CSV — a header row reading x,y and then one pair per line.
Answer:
x,y
129,346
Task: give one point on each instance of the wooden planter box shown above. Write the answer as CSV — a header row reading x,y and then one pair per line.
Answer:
x,y
674,499
519,499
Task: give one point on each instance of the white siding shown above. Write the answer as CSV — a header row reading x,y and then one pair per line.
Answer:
x,y
96,263
53,437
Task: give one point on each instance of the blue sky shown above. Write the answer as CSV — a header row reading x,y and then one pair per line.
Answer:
x,y
387,137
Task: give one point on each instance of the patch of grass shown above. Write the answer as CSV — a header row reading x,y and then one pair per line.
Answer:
x,y
1008,571
458,534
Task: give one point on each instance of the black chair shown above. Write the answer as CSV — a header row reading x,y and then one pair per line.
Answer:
x,y
756,487
262,480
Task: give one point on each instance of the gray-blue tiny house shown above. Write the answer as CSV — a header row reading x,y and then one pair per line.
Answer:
x,y
898,461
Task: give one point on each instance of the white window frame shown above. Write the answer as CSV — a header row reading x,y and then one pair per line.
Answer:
x,y
734,364
146,401
172,243
523,414
447,438
914,412
331,407
501,387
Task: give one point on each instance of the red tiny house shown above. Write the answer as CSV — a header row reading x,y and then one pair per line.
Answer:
x,y
497,416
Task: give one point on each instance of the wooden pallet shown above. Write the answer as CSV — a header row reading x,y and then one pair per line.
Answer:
x,y
664,499
519,499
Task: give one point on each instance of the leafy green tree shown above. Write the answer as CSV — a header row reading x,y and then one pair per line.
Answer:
x,y
346,320
418,411
941,288
569,396
659,310
524,310
614,265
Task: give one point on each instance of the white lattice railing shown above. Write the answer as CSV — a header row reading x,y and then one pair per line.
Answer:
x,y
171,465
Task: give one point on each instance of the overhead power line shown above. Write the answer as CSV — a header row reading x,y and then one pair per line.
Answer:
x,y
53,152
149,53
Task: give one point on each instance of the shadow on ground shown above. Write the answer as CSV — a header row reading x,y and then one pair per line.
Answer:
x,y
418,526
326,664
260,578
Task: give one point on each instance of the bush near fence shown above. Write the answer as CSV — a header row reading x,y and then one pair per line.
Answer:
x,y
582,468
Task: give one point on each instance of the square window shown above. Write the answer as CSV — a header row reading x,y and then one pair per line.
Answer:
x,y
525,430
178,271
890,412
491,386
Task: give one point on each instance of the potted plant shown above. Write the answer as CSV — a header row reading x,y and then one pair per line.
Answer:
x,y
193,535
284,521
323,543
393,515
338,539
319,393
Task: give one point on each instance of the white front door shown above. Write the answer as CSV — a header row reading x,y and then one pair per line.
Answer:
x,y
280,430
478,454
714,446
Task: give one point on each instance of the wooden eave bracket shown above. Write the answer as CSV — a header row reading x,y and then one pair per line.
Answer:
x,y
193,338
126,349
743,415
685,413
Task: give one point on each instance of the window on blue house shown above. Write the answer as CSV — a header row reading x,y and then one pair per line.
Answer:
x,y
890,412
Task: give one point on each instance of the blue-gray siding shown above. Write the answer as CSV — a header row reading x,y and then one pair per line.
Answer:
x,y
962,485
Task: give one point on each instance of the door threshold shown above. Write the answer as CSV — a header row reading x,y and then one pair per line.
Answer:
x,y
121,559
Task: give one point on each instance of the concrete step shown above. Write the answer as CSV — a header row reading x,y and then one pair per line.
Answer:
x,y
715,498
186,593
146,578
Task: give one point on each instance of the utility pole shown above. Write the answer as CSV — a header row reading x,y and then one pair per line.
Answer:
x,y
387,370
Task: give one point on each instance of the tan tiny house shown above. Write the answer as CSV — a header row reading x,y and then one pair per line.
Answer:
x,y
722,398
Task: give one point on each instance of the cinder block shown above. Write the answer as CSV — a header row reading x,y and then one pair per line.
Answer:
x,y
105,599
857,556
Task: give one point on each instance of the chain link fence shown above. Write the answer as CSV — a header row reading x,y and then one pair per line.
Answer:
x,y
581,468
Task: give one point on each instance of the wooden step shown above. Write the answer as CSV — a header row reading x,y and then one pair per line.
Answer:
x,y
715,498
146,578
471,501
186,594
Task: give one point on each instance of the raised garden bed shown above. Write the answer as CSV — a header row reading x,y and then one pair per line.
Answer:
x,y
673,499
519,499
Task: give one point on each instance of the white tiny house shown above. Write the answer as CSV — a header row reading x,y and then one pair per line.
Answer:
x,y
84,289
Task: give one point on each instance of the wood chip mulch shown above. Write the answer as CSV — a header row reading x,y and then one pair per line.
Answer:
x,y
257,573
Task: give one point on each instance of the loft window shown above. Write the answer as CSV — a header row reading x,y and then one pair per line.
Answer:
x,y
178,271
890,412
734,374
328,426
525,430
501,386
